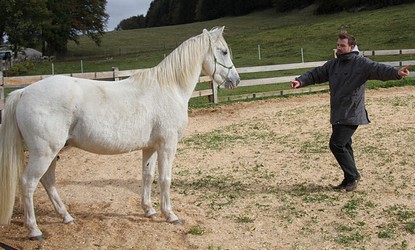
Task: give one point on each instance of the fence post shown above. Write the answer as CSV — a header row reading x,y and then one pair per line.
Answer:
x,y
115,73
259,52
302,55
214,88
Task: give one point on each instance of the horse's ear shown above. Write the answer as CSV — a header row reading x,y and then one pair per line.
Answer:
x,y
216,32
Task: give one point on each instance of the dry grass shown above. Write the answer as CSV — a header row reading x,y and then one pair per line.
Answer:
x,y
252,175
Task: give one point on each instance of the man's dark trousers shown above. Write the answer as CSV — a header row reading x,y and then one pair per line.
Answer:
x,y
341,147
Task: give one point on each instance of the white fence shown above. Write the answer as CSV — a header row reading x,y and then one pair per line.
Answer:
x,y
22,81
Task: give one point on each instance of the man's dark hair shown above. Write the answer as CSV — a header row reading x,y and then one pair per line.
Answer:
x,y
344,35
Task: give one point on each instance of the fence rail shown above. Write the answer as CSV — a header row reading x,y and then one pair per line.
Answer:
x,y
388,52
115,74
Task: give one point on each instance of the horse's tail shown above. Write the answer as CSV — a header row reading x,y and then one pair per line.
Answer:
x,y
11,157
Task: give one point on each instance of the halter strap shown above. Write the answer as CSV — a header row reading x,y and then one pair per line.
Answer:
x,y
219,63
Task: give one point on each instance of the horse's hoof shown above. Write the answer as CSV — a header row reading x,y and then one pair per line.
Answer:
x,y
153,216
176,222
39,237
68,219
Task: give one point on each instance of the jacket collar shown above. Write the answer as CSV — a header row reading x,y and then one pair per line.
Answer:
x,y
347,56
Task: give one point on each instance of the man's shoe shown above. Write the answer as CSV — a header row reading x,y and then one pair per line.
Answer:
x,y
352,185
341,186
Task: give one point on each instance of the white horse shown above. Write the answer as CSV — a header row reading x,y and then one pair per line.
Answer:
x,y
147,111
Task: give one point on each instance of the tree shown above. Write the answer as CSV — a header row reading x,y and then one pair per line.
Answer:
x,y
23,22
3,6
157,14
56,33
88,17
183,11
171,12
52,23
283,6
135,22
69,20
211,9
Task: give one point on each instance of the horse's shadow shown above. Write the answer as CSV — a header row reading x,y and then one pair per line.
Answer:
x,y
134,185
304,187
131,184
288,187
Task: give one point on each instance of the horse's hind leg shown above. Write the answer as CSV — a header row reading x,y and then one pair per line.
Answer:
x,y
36,168
149,161
48,182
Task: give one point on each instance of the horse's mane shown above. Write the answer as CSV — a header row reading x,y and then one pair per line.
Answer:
x,y
178,67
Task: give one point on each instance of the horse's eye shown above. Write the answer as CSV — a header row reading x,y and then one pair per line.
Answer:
x,y
225,52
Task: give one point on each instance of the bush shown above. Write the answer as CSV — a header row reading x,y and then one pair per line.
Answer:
x,y
19,68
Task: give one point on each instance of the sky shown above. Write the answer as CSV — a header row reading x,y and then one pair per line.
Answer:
x,y
122,9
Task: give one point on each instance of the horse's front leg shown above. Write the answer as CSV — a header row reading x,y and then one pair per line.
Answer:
x,y
149,161
165,162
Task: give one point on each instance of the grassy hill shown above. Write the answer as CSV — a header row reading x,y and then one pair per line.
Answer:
x,y
280,36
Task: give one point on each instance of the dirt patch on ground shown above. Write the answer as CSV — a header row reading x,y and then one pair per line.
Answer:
x,y
252,175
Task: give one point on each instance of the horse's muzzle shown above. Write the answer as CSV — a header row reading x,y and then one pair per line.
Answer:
x,y
232,84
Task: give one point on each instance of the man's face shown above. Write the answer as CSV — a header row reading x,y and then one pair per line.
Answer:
x,y
343,46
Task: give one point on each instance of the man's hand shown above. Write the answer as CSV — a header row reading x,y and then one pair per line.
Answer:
x,y
295,84
404,72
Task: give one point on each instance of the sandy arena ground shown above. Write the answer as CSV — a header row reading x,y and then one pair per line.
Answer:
x,y
252,175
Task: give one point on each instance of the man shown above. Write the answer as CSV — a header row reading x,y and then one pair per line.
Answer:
x,y
347,75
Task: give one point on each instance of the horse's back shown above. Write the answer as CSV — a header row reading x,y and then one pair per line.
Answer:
x,y
100,117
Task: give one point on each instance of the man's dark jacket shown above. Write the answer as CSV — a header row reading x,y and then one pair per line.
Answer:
x,y
347,75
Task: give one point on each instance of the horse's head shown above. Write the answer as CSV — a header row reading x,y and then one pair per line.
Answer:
x,y
218,63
